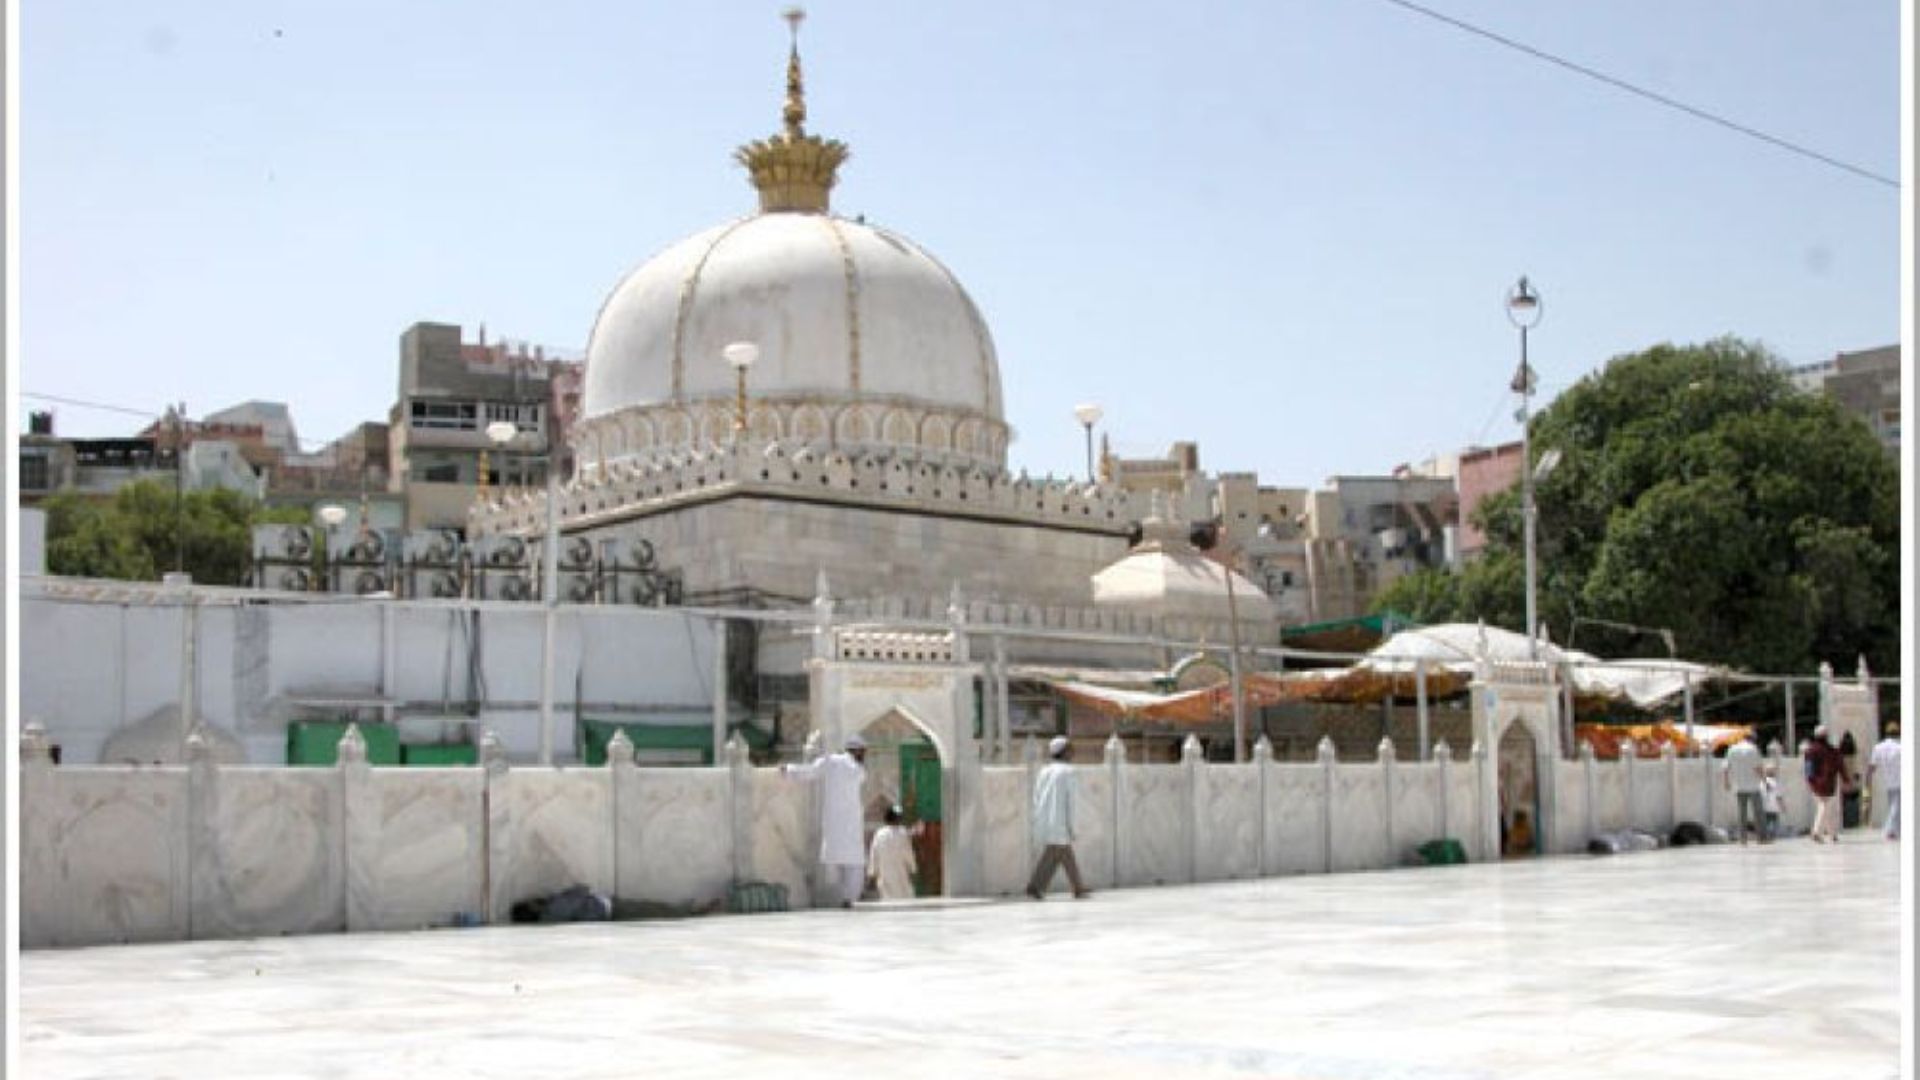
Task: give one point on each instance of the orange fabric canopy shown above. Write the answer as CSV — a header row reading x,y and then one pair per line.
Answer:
x,y
1213,704
1613,741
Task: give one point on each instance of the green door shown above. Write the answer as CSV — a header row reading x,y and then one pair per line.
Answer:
x,y
920,781
920,800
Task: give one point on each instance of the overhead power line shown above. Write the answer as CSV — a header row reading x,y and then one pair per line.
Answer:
x,y
128,410
147,414
1650,95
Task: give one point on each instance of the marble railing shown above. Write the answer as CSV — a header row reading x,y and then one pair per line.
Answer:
x,y
130,853
900,477
1597,796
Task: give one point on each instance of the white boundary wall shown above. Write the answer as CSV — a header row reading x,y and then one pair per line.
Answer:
x,y
160,853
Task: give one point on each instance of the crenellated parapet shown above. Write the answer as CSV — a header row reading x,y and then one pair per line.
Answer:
x,y
899,478
654,433
988,616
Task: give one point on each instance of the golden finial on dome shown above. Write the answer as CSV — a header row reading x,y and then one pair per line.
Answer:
x,y
793,171
795,113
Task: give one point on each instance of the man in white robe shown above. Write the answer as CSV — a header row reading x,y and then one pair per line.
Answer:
x,y
843,848
1053,824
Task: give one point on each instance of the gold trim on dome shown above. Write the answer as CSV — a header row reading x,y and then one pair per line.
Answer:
x,y
853,304
689,286
793,171
982,340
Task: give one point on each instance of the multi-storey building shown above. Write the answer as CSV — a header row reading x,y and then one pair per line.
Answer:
x,y
450,390
1865,383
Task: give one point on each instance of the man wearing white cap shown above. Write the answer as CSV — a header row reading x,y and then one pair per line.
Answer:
x,y
843,849
1053,823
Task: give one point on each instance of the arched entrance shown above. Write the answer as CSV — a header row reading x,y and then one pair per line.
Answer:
x,y
1519,787
903,769
913,692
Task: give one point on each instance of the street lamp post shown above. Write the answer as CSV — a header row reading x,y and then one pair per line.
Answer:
x,y
1088,415
1523,310
179,489
330,517
499,433
740,356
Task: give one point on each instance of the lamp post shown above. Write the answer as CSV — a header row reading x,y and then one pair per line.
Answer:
x,y
330,517
500,433
1523,311
1088,415
179,489
740,356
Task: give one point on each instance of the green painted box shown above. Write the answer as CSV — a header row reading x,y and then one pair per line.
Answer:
x,y
431,754
317,742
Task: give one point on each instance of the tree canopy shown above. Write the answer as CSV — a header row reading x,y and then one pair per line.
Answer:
x,y
1701,492
134,534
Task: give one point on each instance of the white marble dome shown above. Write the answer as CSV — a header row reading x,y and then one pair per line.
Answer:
x,y
866,341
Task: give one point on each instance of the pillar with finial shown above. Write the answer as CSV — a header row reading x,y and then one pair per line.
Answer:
x,y
792,170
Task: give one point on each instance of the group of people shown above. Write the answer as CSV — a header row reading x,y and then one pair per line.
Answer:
x,y
888,861
1756,786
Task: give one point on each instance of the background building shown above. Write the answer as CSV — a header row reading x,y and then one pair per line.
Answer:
x,y
449,391
1865,383
1483,471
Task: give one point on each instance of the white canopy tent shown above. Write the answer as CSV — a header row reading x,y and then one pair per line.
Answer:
x,y
1456,647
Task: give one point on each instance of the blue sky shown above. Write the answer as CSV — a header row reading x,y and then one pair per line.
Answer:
x,y
1283,230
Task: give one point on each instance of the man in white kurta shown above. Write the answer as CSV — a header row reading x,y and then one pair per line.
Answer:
x,y
843,848
890,862
1885,763
1053,823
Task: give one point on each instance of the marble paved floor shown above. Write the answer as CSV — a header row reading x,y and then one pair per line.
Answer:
x,y
1755,963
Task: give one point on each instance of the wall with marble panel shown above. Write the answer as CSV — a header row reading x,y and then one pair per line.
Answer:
x,y
1093,825
1651,783
1297,819
267,851
417,852
1609,786
1006,853
1227,822
1569,826
556,829
1689,791
1359,818
1465,806
1155,801
103,855
1416,809
785,833
673,833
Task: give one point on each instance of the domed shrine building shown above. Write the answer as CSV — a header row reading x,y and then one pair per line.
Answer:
x,y
794,392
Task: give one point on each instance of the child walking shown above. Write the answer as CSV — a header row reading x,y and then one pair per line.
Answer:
x,y
890,861
1770,806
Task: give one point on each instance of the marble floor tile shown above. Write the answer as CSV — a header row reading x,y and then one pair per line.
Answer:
x,y
1687,964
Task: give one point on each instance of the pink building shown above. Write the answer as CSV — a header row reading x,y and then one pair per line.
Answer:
x,y
1482,473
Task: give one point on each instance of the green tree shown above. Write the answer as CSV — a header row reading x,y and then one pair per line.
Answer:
x,y
86,538
135,534
1699,490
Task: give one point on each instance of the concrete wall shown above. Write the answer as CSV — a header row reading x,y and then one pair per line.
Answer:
x,y
91,668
